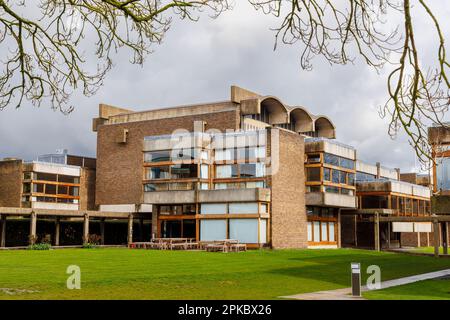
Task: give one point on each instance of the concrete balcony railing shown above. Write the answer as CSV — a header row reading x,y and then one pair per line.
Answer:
x,y
205,196
330,199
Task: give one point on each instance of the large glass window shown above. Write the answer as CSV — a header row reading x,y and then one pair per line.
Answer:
x,y
158,173
346,163
443,173
204,171
313,174
252,170
324,231
226,171
243,207
313,158
331,159
244,230
182,171
213,208
326,174
157,156
335,176
211,230
316,231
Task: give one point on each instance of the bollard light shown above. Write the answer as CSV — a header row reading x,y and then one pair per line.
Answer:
x,y
356,279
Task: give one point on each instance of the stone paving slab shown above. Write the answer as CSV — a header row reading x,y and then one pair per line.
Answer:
x,y
345,293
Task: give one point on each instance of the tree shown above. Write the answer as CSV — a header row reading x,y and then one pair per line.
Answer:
x,y
44,59
418,94
41,52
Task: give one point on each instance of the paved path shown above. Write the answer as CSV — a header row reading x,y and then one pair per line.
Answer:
x,y
344,294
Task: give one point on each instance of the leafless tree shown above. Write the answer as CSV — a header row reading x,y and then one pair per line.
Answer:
x,y
340,31
40,42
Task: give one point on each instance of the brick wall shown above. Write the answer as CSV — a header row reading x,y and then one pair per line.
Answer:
x,y
10,183
289,221
120,165
87,189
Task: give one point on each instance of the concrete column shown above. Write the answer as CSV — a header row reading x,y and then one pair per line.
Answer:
x,y
57,231
154,222
445,237
33,221
130,228
102,231
389,235
436,237
377,231
3,231
339,228
86,228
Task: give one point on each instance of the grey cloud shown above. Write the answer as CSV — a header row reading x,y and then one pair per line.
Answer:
x,y
197,63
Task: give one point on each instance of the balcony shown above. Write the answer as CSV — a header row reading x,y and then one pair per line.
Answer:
x,y
330,199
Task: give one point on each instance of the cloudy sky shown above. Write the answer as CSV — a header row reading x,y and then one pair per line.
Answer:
x,y
197,63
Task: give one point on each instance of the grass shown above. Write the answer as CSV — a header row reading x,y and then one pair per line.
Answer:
x,y
148,274
436,289
426,250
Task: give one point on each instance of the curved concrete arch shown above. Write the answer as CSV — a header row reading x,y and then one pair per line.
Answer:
x,y
324,127
278,112
304,122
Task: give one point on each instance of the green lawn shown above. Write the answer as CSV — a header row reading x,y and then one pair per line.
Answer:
x,y
437,289
148,274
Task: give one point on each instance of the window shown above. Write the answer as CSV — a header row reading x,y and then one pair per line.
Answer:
x,y
313,158
63,190
351,179
211,230
310,238
313,189
335,176
256,184
331,159
313,174
252,170
150,187
74,191
158,173
204,171
263,231
326,174
68,179
222,155
38,187
181,186
324,227
213,208
226,171
349,192
243,207
342,177
346,163
331,189
443,173
316,231
361,176
157,156
183,171
331,231
244,230
26,188
46,176
50,189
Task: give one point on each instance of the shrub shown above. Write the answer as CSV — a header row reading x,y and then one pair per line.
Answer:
x,y
40,246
